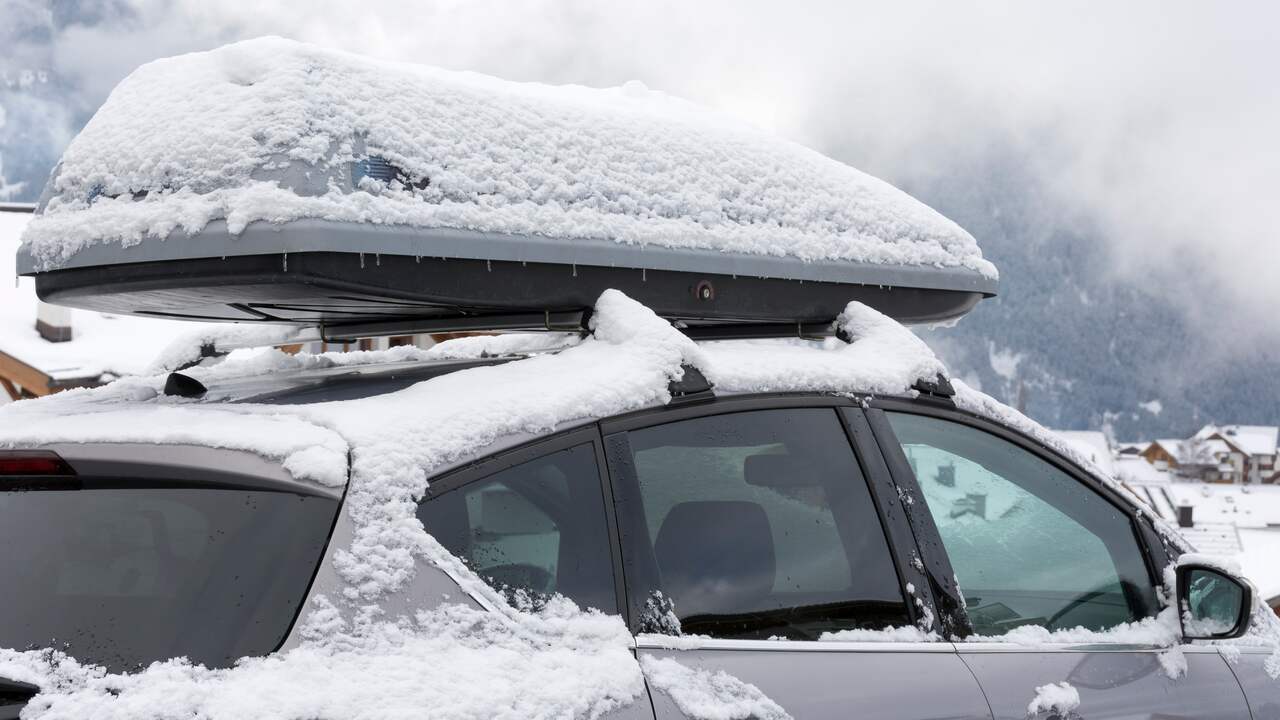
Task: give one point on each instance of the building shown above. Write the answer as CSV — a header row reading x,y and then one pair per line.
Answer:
x,y
45,349
1164,454
1253,450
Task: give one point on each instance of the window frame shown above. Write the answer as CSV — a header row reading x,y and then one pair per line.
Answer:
x,y
901,541
1154,557
485,467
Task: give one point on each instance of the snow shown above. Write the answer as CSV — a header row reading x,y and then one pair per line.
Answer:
x,y
1135,470
1250,439
452,663
1155,407
204,135
1093,445
905,634
1058,698
102,345
706,695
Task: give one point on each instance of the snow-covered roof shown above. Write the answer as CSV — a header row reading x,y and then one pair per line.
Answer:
x,y
1093,445
1249,439
1173,446
273,130
101,345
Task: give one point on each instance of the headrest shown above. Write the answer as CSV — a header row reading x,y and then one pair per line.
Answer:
x,y
786,470
716,557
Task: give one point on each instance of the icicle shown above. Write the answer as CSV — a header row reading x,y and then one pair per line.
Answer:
x,y
488,265
575,269
285,258
377,259
643,275
362,260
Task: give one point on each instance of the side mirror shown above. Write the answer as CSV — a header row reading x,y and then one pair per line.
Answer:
x,y
1212,604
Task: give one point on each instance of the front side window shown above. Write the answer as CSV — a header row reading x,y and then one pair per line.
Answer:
x,y
752,525
533,530
1030,544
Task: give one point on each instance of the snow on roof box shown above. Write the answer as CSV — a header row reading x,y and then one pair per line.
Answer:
x,y
272,180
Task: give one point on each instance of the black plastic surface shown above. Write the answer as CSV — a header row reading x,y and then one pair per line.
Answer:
x,y
333,289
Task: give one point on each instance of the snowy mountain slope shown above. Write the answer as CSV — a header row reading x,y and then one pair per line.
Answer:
x,y
1090,349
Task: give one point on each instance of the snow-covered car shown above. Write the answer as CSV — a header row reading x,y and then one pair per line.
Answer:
x,y
804,525
723,481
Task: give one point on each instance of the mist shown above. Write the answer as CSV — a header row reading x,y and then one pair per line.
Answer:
x,y
1152,124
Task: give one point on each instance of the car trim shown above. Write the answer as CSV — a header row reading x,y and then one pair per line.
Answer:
x,y
999,647
698,642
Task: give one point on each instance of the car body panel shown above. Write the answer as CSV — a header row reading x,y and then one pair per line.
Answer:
x,y
1261,689
1114,683
894,681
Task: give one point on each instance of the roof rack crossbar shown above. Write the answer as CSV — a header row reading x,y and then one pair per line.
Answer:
x,y
561,321
758,331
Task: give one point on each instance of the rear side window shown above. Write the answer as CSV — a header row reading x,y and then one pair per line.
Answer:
x,y
533,530
124,576
1030,544
752,525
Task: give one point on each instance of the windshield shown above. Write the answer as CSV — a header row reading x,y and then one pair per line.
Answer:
x,y
124,576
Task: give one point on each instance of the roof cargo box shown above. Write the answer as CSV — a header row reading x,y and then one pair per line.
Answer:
x,y
271,181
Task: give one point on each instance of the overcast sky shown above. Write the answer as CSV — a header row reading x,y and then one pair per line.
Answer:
x,y
1155,122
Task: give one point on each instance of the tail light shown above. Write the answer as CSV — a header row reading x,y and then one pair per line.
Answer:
x,y
33,462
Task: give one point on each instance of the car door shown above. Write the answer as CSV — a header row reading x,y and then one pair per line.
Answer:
x,y
534,522
760,579
1035,543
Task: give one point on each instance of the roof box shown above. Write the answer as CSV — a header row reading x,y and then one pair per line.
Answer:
x,y
271,181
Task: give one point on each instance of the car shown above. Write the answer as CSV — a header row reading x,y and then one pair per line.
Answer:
x,y
720,481
833,549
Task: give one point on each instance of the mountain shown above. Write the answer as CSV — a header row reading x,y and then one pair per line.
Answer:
x,y
1084,347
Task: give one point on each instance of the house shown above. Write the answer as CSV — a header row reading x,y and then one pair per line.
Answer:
x,y
1252,453
45,349
1164,454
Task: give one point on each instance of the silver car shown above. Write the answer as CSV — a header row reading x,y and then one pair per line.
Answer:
x,y
850,556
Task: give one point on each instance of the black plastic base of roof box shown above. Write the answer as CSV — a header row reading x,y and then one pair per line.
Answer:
x,y
336,289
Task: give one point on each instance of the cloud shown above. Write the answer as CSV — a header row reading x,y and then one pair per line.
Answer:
x,y
1153,123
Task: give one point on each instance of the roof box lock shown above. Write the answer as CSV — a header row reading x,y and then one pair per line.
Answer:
x,y
376,167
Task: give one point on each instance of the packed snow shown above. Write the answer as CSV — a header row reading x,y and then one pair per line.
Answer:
x,y
709,695
191,139
1058,698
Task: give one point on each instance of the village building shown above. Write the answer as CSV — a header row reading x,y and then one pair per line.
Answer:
x,y
45,349
1253,449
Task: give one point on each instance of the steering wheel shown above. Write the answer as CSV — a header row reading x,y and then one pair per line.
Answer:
x,y
1076,602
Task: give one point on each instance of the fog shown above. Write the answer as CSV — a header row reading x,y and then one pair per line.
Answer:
x,y
1152,123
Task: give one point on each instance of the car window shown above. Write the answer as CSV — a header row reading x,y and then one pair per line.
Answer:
x,y
753,525
1030,544
533,530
